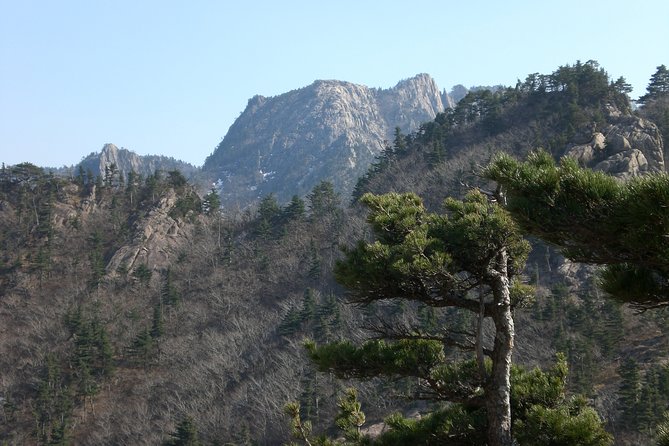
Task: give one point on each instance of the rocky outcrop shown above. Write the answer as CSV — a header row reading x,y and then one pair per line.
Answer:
x,y
155,243
127,161
626,146
329,130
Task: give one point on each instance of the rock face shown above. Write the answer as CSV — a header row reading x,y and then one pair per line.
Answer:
x,y
155,242
127,161
626,146
329,130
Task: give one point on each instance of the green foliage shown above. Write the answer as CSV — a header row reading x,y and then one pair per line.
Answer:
x,y
373,358
417,254
349,420
456,259
269,208
658,86
211,203
187,202
142,273
662,431
269,213
185,435
630,390
96,258
538,388
133,184
399,142
92,355
588,214
295,210
314,271
573,423
318,316
350,417
143,347
176,179
323,200
89,362
169,295
541,412
300,430
642,398
53,404
452,425
157,322
290,323
27,170
439,260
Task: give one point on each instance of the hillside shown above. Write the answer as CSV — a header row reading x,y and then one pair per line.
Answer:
x,y
328,130
128,308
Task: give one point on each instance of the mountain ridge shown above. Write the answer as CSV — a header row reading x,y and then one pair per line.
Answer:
x,y
205,313
329,129
126,161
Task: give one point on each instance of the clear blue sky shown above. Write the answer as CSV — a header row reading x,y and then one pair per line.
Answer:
x,y
167,77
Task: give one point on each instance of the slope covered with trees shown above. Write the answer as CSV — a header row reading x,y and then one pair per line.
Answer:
x,y
135,312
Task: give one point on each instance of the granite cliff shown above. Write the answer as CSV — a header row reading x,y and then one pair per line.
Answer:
x,y
127,161
328,130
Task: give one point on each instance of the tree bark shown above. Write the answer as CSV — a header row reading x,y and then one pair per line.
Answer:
x,y
498,391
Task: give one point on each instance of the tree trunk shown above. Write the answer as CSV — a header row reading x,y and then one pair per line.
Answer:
x,y
498,391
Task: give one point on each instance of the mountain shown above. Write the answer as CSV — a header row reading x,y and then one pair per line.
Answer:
x,y
328,130
127,161
124,309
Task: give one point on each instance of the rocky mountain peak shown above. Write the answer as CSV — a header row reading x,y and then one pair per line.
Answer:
x,y
127,161
110,154
421,87
329,130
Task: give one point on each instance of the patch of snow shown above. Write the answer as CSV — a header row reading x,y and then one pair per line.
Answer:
x,y
267,175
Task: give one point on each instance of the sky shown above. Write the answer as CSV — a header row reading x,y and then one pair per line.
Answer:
x,y
170,77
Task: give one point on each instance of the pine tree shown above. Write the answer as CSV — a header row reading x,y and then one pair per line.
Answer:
x,y
269,213
96,259
657,87
53,404
314,271
350,417
211,203
295,210
81,176
323,200
438,260
629,392
656,102
134,181
142,347
585,213
290,323
185,435
157,323
308,305
142,273
169,295
399,142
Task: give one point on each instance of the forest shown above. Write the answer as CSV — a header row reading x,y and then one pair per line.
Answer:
x,y
498,277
